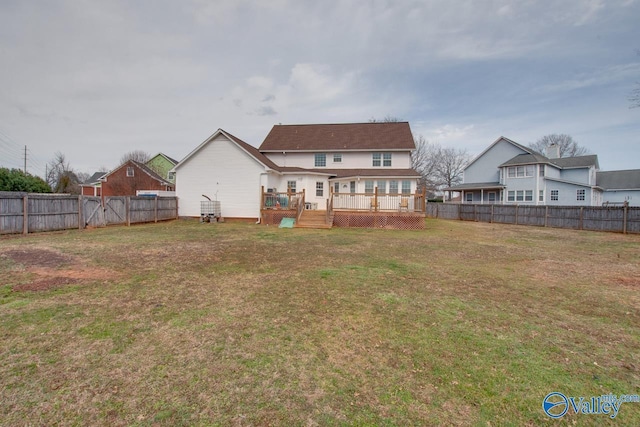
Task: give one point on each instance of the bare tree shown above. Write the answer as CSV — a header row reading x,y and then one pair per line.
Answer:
x,y
568,147
135,155
387,119
61,177
450,166
424,160
439,167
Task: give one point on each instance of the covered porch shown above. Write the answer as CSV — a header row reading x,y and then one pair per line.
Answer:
x,y
491,193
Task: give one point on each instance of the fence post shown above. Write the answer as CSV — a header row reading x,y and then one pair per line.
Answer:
x,y
176,199
25,214
475,213
80,212
516,214
127,208
491,219
546,214
581,218
155,210
625,217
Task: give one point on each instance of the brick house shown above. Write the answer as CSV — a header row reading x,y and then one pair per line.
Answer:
x,y
133,176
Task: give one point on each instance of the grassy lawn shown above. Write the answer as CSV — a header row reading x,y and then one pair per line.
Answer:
x,y
183,323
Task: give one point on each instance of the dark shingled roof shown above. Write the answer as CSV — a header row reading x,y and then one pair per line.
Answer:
x,y
475,186
564,162
619,180
339,137
94,178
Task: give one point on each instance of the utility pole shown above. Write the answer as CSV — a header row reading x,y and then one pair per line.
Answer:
x,y
25,159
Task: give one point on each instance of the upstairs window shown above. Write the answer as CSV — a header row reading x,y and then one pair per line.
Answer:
x,y
130,171
386,159
541,170
337,158
377,159
520,171
320,160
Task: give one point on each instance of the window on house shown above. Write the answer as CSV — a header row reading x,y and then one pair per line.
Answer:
x,y
291,186
519,195
528,196
521,171
541,170
377,159
337,158
469,197
541,196
511,196
580,194
171,176
352,187
386,159
382,187
368,187
130,171
554,195
320,160
336,187
319,189
393,187
406,186
492,196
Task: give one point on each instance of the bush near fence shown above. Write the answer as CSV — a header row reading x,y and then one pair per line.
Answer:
x,y
28,213
622,219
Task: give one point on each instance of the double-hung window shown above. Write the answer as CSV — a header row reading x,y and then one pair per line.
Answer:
x,y
376,159
320,160
386,159
337,158
368,187
382,187
291,186
319,189
130,171
393,187
406,186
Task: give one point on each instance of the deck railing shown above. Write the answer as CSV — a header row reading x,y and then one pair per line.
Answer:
x,y
286,200
373,202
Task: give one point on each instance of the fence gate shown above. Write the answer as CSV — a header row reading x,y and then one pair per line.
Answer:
x,y
93,212
115,210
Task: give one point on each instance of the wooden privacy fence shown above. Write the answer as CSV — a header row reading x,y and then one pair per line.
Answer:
x,y
622,219
30,213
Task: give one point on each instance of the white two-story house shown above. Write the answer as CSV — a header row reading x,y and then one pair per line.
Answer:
x,y
319,159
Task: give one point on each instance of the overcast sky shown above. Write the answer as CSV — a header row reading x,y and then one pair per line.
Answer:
x,y
94,79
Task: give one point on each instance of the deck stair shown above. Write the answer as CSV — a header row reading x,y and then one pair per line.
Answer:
x,y
313,219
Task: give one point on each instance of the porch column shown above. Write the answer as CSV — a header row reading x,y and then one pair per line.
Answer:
x,y
462,201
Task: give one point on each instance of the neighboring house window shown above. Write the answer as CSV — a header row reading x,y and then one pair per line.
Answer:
x,y
492,196
511,196
520,196
521,171
406,187
554,195
320,160
541,196
377,159
368,187
337,158
171,176
320,189
386,159
130,171
469,197
382,187
580,194
541,170
393,187
528,196
291,186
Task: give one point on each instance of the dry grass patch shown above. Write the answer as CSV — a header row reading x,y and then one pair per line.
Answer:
x,y
228,324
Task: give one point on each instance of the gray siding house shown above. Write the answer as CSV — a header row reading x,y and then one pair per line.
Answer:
x,y
510,173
